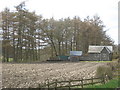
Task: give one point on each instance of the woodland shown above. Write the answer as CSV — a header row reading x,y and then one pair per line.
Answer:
x,y
27,36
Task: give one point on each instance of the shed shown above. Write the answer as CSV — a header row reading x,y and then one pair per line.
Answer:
x,y
75,55
100,53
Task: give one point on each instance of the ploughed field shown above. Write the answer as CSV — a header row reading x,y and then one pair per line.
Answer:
x,y
30,75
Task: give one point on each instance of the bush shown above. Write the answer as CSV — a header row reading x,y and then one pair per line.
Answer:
x,y
103,71
115,56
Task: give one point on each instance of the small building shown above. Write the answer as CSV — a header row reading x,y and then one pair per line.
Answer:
x,y
75,55
100,53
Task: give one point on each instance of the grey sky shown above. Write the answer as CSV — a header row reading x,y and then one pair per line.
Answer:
x,y
119,23
106,9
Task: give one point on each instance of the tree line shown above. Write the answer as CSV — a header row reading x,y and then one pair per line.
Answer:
x,y
27,36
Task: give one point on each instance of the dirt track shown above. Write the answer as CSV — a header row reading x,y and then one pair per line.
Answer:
x,y
30,75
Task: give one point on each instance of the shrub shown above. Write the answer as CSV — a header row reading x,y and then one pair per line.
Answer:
x,y
115,56
103,71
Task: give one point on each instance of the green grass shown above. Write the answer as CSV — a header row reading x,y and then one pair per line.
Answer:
x,y
95,61
111,84
100,61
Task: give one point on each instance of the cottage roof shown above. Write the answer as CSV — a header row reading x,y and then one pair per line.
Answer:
x,y
98,49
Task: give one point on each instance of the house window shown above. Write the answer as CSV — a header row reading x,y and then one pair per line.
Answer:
x,y
96,55
104,55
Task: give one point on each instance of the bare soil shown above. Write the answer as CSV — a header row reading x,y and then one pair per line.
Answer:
x,y
30,75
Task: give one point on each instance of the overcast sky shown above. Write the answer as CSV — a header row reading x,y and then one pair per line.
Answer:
x,y
106,9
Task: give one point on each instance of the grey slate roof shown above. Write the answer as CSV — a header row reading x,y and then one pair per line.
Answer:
x,y
98,49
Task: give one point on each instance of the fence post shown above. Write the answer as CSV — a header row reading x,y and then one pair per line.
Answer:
x,y
56,84
92,80
69,84
48,84
39,86
82,82
103,80
107,78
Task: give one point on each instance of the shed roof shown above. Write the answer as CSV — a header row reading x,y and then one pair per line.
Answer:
x,y
76,53
98,49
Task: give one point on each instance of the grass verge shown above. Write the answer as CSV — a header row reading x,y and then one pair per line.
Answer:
x,y
111,84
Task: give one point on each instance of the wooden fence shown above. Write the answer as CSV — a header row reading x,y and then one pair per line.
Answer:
x,y
73,83
81,83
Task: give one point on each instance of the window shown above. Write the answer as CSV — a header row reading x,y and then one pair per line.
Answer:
x,y
104,55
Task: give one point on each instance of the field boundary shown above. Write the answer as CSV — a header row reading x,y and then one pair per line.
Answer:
x,y
74,83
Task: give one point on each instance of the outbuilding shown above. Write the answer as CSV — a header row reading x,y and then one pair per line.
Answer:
x,y
75,55
100,53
